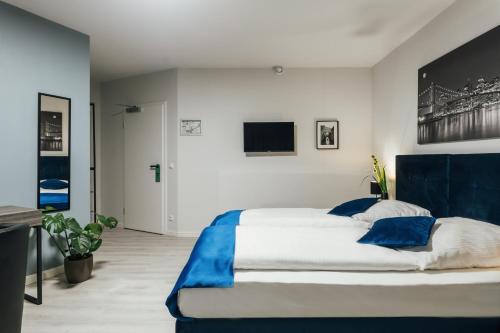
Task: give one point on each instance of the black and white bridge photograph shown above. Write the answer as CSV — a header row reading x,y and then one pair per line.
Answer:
x,y
51,131
459,93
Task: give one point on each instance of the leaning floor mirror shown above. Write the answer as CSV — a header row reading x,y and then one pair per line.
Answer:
x,y
54,123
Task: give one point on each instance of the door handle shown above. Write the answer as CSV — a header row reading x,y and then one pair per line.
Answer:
x,y
156,168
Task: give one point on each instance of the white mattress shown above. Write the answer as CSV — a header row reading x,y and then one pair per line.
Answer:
x,y
267,294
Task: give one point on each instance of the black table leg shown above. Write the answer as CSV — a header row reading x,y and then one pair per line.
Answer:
x,y
39,269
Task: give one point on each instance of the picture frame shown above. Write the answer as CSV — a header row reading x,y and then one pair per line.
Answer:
x,y
189,127
327,134
459,93
54,152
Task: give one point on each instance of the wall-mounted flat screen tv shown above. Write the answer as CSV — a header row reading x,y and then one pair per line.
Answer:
x,y
260,137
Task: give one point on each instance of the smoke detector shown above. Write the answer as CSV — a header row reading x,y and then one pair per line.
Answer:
x,y
278,70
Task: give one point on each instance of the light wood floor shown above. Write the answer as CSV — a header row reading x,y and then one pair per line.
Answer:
x,y
133,274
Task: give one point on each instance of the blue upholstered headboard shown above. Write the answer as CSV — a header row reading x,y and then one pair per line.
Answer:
x,y
466,185
54,167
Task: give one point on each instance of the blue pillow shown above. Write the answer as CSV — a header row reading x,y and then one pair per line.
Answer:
x,y
399,232
352,207
53,184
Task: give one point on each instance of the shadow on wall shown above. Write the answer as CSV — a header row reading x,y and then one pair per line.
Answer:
x,y
293,189
51,256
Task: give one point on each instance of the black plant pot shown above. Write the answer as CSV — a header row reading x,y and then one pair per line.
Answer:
x,y
78,270
384,196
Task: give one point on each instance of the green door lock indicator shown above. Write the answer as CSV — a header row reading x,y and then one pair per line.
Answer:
x,y
156,168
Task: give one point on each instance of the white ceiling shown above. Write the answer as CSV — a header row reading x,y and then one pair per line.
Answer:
x,y
131,37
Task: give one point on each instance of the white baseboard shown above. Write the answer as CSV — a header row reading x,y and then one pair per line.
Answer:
x,y
183,234
46,274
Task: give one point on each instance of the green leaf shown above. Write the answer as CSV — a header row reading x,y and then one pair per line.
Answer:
x,y
81,245
48,209
53,223
113,222
384,180
72,225
46,221
101,218
109,222
96,244
94,230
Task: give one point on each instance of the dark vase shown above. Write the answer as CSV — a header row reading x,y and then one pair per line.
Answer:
x,y
78,270
384,196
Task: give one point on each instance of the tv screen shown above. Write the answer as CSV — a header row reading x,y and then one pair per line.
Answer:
x,y
269,137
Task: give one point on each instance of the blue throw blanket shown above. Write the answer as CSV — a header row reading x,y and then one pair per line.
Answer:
x,y
54,200
231,217
211,262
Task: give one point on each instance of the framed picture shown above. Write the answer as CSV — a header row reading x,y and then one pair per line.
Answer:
x,y
54,126
190,127
327,134
459,93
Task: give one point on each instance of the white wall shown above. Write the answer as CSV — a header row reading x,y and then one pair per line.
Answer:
x,y
155,87
214,174
37,55
395,80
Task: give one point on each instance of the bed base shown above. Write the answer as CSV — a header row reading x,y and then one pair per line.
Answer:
x,y
340,325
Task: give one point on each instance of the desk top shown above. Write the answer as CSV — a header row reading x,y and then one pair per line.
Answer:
x,y
19,215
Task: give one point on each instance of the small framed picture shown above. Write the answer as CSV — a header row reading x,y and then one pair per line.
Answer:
x,y
190,127
327,134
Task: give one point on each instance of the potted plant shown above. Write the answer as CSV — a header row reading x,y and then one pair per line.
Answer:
x,y
76,243
380,178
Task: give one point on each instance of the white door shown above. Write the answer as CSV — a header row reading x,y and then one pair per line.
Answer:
x,y
145,168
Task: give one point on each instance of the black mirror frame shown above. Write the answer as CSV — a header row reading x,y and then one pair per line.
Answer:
x,y
40,95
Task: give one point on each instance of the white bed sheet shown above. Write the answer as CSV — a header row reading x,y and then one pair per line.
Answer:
x,y
297,217
62,191
278,294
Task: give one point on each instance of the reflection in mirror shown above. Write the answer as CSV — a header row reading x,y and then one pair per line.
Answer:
x,y
54,120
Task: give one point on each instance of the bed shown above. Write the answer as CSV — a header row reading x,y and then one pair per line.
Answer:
x,y
458,300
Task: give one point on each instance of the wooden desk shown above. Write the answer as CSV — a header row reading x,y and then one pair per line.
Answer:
x,y
33,217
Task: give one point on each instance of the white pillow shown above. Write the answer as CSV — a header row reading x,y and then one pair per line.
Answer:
x,y
458,242
390,208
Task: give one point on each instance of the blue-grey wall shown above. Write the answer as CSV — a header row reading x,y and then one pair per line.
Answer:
x,y
37,55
